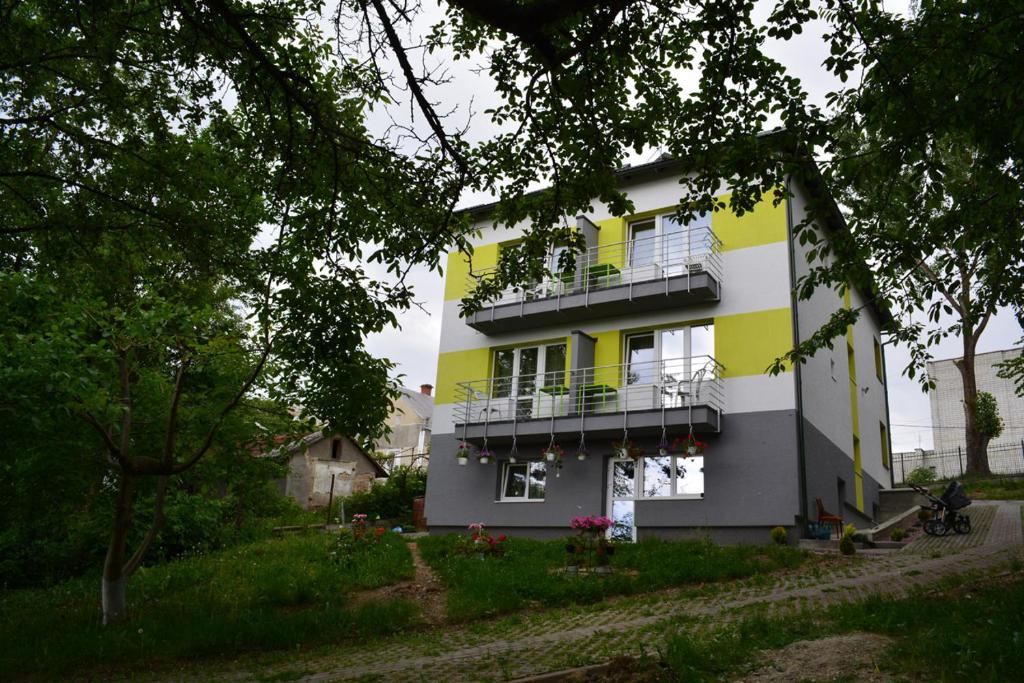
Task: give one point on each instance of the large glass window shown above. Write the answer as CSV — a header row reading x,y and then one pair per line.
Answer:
x,y
671,356
673,476
518,371
523,481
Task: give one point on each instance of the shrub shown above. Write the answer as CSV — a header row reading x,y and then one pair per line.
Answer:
x,y
898,534
391,499
846,546
922,476
479,541
779,535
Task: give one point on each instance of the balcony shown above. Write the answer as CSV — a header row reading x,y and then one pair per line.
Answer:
x,y
642,274
600,402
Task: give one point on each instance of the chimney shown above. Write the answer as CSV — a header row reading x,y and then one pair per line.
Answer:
x,y
425,389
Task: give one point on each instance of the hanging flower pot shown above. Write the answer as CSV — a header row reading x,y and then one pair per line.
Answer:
x,y
484,456
663,447
463,451
512,459
581,455
463,459
689,444
627,449
553,453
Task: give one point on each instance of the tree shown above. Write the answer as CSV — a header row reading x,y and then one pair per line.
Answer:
x,y
989,423
167,163
926,158
167,257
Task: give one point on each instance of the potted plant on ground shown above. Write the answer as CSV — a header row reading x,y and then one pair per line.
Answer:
x,y
553,453
484,455
463,451
689,444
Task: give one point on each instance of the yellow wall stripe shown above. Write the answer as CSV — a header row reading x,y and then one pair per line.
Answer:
x,y
484,256
747,343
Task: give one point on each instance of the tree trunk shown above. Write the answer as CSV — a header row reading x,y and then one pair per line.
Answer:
x,y
115,580
977,457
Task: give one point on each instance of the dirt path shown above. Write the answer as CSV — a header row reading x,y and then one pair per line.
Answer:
x,y
425,589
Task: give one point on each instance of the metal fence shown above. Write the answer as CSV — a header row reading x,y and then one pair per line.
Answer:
x,y
652,385
1007,458
640,259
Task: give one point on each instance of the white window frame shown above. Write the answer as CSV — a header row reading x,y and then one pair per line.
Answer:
x,y
541,363
525,498
702,220
642,469
687,331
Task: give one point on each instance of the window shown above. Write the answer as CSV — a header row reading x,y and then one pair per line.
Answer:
x,y
878,360
670,355
672,476
664,241
517,372
884,438
335,449
523,481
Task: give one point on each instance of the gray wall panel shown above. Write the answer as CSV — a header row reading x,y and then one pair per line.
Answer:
x,y
750,475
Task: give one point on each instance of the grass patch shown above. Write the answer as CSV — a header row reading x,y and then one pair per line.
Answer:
x,y
965,634
279,593
995,488
527,575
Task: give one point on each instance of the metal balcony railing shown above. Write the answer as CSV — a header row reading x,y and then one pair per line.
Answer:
x,y
609,389
644,259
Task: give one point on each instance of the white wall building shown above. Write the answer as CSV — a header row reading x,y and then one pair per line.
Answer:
x,y
946,398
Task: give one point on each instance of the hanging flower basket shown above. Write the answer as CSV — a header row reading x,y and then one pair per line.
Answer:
x,y
581,454
553,453
664,447
484,456
627,449
463,452
689,444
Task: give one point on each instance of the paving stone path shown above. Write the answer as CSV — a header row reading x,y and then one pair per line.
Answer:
x,y
565,638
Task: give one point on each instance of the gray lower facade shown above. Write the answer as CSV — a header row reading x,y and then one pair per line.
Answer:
x,y
751,484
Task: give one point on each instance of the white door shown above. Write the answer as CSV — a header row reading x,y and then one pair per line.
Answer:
x,y
622,499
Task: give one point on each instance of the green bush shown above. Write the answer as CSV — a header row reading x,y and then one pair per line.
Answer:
x,y
846,546
389,500
779,535
898,534
922,476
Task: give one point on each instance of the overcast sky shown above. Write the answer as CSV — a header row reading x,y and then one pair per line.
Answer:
x,y
414,345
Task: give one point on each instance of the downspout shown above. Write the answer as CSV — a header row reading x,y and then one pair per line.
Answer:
x,y
800,443
888,424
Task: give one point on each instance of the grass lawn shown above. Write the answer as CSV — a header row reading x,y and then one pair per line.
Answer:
x,y
999,488
275,594
527,576
967,633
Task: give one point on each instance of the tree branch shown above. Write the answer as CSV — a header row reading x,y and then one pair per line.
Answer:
x,y
158,521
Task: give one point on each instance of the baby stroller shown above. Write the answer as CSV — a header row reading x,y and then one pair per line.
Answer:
x,y
946,515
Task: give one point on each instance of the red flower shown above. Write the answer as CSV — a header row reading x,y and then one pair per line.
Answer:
x,y
502,538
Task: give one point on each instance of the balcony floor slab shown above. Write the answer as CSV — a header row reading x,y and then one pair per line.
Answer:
x,y
635,297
